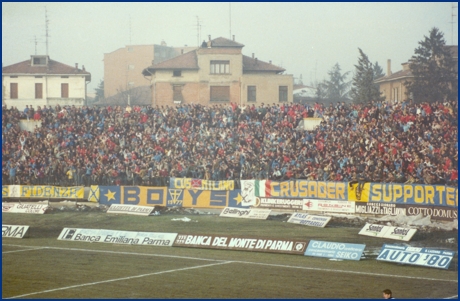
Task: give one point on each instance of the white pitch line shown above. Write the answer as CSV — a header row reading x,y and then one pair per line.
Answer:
x,y
23,250
453,297
119,279
349,272
118,252
257,263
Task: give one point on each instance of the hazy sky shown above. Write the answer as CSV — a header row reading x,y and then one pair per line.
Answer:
x,y
305,38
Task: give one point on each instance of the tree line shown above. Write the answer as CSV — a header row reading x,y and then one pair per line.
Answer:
x,y
435,77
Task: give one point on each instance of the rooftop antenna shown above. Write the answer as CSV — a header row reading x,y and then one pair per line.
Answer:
x,y
35,40
452,22
230,18
198,31
46,26
130,30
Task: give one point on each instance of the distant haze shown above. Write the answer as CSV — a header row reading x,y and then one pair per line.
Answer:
x,y
304,38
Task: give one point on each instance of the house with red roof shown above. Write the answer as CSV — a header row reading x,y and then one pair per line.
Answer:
x,y
42,81
218,73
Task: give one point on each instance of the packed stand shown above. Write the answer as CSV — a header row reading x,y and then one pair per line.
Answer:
x,y
374,142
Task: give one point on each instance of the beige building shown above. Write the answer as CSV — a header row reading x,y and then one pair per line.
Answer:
x,y
42,81
123,67
218,72
392,84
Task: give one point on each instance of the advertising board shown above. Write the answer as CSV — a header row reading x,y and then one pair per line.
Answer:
x,y
130,209
14,231
309,219
432,258
329,206
226,242
335,250
245,213
118,237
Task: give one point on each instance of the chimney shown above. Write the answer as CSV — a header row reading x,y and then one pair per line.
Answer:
x,y
253,55
83,67
270,62
388,67
209,37
233,37
76,65
182,51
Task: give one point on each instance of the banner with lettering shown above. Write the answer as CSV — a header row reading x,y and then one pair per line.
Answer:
x,y
309,189
189,183
162,196
426,257
48,192
414,194
132,195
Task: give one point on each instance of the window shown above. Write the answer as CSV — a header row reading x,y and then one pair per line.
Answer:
x,y
39,61
220,67
283,91
14,90
38,90
65,76
38,76
177,73
220,93
130,67
251,93
177,93
64,90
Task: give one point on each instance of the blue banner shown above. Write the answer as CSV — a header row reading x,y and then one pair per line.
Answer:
x,y
432,258
335,250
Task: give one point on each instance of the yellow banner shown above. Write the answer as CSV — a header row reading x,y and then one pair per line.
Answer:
x,y
359,193
205,199
52,192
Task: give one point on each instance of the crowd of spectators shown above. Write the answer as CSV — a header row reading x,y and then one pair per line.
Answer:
x,y
123,145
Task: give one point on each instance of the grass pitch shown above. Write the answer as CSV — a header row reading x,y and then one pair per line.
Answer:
x,y
42,267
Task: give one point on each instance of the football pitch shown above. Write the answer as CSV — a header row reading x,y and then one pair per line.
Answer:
x,y
42,267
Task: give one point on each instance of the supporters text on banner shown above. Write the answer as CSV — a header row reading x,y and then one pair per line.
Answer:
x,y
50,192
190,183
414,194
